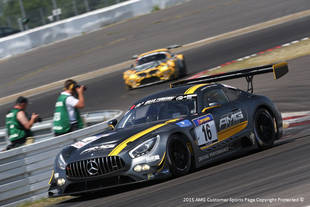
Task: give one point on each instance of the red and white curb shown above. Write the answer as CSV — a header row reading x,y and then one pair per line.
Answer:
x,y
294,119
201,74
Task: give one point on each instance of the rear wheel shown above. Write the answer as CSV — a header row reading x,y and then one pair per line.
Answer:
x,y
179,156
264,129
182,69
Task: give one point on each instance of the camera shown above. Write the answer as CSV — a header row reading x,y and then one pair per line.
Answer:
x,y
78,86
39,119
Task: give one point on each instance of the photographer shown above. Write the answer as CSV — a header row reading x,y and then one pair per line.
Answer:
x,y
67,116
18,125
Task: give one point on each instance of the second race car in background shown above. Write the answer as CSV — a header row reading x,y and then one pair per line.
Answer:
x,y
155,66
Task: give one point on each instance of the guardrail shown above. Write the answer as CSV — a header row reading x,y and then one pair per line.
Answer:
x,y
71,27
43,130
25,171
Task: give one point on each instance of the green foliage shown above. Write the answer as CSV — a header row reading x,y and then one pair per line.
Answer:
x,y
38,11
12,7
155,8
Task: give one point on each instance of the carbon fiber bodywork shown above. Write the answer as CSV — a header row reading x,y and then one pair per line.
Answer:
x,y
211,131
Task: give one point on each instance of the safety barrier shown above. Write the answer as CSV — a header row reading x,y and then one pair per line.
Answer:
x,y
25,171
68,28
43,130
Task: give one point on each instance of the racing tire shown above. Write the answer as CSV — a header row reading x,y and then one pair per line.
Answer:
x,y
128,87
178,156
264,129
182,69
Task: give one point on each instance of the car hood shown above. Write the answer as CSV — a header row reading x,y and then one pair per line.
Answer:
x,y
103,144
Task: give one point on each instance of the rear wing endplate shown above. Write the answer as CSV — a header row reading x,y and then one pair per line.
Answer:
x,y
278,71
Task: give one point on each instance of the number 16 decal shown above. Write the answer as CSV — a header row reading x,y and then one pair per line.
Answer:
x,y
205,130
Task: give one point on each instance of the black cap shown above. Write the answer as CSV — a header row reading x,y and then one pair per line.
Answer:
x,y
21,100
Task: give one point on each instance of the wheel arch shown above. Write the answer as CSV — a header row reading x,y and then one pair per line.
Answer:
x,y
190,145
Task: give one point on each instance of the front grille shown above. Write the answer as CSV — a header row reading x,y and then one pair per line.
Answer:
x,y
150,80
94,167
98,183
142,74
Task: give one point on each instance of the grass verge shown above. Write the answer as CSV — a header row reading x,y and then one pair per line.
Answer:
x,y
44,202
282,54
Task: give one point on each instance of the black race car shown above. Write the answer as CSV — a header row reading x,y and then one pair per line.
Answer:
x,y
168,133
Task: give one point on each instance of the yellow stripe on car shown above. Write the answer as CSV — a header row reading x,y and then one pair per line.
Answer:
x,y
162,159
50,181
192,89
122,145
226,133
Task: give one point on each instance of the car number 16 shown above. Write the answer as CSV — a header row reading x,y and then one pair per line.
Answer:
x,y
206,133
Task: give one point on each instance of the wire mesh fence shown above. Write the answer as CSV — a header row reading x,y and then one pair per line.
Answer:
x,y
27,14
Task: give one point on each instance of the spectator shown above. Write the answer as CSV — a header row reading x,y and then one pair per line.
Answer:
x,y
18,125
67,116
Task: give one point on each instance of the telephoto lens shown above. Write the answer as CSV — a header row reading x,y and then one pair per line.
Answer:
x,y
78,86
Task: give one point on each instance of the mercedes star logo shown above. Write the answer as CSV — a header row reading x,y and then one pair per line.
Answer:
x,y
92,167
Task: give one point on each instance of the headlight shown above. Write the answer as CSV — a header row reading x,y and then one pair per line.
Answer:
x,y
61,162
164,67
133,76
144,148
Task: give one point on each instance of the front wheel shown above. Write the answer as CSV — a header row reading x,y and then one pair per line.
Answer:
x,y
179,156
264,129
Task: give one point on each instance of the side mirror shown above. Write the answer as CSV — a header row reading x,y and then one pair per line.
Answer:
x,y
211,106
173,47
134,57
214,104
112,123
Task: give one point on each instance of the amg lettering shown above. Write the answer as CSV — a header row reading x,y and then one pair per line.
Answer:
x,y
231,119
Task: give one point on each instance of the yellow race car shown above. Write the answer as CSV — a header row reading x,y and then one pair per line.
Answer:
x,y
154,67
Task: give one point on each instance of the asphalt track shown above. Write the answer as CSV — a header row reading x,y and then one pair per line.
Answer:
x,y
108,92
192,21
281,172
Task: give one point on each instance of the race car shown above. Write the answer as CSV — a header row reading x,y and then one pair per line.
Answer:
x,y
154,67
171,132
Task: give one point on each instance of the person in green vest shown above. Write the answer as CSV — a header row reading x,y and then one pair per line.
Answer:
x,y
67,117
18,125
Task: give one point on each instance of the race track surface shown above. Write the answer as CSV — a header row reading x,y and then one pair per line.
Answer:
x,y
281,172
192,21
108,92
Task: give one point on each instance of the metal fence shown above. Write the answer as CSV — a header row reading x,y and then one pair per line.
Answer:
x,y
44,130
27,14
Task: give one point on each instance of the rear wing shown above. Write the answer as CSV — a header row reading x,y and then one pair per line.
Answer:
x,y
278,71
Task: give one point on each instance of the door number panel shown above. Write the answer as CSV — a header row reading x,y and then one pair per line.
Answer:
x,y
205,130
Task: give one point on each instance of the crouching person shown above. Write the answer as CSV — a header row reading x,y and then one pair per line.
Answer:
x,y
18,125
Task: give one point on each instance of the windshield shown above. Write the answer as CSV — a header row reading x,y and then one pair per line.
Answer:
x,y
158,109
151,58
146,66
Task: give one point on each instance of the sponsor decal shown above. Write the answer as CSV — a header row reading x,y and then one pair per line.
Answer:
x,y
203,119
184,123
152,158
213,154
85,141
164,99
9,115
59,104
231,119
98,148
